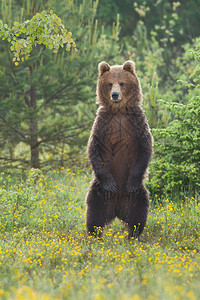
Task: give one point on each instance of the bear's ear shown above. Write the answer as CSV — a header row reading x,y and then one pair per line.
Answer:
x,y
103,67
129,66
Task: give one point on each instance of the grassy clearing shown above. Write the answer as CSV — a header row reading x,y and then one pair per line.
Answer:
x,y
45,253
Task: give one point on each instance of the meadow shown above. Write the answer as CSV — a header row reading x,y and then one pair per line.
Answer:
x,y
46,254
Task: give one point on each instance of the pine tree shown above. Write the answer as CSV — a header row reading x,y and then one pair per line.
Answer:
x,y
46,99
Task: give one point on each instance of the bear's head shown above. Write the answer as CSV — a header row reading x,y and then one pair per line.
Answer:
x,y
118,86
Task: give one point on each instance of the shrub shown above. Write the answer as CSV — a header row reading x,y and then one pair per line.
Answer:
x,y
177,146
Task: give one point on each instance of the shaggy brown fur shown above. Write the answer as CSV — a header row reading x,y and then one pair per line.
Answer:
x,y
119,150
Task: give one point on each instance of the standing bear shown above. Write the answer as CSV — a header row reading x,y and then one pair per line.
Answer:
x,y
119,150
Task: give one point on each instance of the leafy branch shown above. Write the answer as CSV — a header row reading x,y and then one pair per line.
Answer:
x,y
45,28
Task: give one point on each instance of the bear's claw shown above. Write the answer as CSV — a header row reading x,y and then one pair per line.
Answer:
x,y
134,186
110,185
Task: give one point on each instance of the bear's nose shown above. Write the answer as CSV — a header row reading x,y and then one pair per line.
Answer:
x,y
115,95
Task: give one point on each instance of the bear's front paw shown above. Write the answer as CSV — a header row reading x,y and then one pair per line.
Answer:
x,y
110,185
134,185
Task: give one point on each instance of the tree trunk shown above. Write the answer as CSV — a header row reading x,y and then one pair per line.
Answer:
x,y
33,130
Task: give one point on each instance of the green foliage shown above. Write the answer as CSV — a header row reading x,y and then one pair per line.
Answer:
x,y
170,22
163,23
177,146
44,28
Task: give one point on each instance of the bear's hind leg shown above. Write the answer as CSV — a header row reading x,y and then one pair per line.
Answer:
x,y
98,212
133,210
139,213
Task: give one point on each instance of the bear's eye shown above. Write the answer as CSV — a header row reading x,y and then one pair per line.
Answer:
x,y
121,84
110,84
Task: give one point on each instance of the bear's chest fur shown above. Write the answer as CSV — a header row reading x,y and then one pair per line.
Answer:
x,y
119,145
118,132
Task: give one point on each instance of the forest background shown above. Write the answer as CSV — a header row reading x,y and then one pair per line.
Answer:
x,y
47,102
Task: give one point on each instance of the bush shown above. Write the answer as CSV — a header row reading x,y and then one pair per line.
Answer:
x,y
175,170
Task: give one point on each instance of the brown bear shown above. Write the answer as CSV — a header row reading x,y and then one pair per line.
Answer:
x,y
119,150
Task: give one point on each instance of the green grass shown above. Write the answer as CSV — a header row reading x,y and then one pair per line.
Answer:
x,y
46,254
